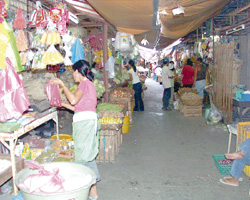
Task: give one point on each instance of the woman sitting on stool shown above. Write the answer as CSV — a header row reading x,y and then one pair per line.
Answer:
x,y
241,158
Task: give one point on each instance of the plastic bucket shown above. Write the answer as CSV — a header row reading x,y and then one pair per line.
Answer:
x,y
62,136
125,126
66,169
245,97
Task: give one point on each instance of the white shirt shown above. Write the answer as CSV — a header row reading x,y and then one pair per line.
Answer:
x,y
136,78
158,71
94,71
166,73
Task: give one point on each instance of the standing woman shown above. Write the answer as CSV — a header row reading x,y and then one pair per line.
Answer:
x,y
137,86
85,132
188,74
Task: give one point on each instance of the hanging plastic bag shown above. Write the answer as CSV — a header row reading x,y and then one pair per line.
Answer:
x,y
214,115
21,41
39,16
12,51
53,93
19,22
52,56
77,52
4,40
3,8
13,98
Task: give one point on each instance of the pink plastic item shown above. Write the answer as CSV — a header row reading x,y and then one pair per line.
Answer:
x,y
53,94
19,22
13,97
43,182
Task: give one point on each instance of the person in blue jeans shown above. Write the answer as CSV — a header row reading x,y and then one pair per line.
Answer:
x,y
137,86
167,77
241,158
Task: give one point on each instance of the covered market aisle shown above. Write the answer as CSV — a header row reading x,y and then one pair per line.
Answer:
x,y
168,156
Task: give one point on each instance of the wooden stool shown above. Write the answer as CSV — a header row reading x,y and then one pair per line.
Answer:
x,y
232,130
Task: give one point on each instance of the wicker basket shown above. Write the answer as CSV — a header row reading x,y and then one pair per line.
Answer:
x,y
191,99
111,126
192,102
114,114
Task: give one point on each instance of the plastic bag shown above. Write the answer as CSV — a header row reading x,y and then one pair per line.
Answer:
x,y
12,51
77,52
43,182
21,41
19,22
214,115
13,98
52,56
54,95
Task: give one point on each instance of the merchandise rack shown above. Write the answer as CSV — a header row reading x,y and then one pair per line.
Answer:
x,y
13,136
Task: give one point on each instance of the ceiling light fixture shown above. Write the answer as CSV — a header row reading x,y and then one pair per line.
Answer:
x,y
233,30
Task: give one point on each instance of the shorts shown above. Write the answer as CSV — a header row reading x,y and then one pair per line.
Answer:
x,y
93,166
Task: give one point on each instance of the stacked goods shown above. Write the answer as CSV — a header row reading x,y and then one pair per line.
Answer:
x,y
190,97
110,142
124,95
192,111
190,102
111,116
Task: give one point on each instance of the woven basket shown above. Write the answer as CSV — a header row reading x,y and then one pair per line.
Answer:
x,y
192,102
114,114
111,126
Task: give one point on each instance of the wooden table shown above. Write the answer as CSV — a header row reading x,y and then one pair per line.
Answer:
x,y
243,107
13,136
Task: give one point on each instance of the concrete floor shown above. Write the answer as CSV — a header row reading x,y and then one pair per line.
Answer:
x,y
168,156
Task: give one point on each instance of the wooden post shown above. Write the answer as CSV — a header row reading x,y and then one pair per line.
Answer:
x,y
105,58
213,38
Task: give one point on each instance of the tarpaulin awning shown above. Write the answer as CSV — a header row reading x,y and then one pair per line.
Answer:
x,y
136,17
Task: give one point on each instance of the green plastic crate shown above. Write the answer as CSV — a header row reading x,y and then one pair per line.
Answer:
x,y
224,169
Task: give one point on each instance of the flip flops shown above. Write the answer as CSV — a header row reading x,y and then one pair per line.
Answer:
x,y
222,180
90,198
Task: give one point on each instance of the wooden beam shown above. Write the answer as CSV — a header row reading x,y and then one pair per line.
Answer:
x,y
105,59
242,9
235,25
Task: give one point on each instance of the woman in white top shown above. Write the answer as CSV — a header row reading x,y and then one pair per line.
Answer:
x,y
137,86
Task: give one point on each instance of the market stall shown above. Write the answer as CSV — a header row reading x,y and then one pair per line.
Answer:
x,y
12,137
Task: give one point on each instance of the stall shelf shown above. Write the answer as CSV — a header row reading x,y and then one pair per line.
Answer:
x,y
13,136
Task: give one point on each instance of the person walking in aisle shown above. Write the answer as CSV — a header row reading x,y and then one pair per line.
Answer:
x,y
172,69
167,77
85,121
137,86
